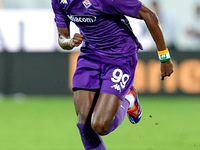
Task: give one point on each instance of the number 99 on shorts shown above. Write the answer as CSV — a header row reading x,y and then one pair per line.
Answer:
x,y
120,79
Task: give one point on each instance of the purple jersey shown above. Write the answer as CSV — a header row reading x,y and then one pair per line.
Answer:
x,y
102,22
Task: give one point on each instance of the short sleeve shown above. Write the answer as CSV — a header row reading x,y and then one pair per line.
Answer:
x,y
61,19
125,7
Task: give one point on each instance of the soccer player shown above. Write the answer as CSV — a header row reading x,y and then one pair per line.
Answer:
x,y
102,82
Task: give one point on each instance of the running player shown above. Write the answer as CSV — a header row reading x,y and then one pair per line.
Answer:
x,y
102,83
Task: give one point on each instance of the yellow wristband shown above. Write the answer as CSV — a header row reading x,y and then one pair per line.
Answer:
x,y
163,52
164,55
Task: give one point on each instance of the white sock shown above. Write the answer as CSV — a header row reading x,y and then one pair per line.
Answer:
x,y
131,100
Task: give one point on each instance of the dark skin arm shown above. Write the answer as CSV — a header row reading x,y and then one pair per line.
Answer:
x,y
153,25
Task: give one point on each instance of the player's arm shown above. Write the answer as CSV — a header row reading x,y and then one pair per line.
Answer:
x,y
66,42
153,25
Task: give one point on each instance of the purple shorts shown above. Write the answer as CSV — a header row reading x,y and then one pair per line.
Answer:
x,y
113,75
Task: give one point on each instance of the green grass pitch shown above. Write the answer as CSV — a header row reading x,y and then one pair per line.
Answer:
x,y
49,123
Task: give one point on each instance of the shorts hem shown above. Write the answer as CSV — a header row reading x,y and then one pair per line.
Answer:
x,y
76,89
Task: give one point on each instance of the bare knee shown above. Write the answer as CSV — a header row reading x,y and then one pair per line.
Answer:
x,y
100,125
100,128
103,115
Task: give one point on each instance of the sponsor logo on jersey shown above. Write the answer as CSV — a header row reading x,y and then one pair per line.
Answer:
x,y
87,3
82,18
63,2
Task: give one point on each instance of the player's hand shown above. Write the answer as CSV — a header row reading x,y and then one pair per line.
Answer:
x,y
77,39
166,69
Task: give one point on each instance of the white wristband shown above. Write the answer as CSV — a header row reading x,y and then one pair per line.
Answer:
x,y
63,40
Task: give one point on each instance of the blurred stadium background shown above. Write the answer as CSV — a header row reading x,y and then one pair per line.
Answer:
x,y
36,104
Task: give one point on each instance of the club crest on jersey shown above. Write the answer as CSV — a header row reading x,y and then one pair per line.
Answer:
x,y
87,3
63,2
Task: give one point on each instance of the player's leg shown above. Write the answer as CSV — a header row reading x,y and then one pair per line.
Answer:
x,y
85,77
110,110
118,77
84,102
108,114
